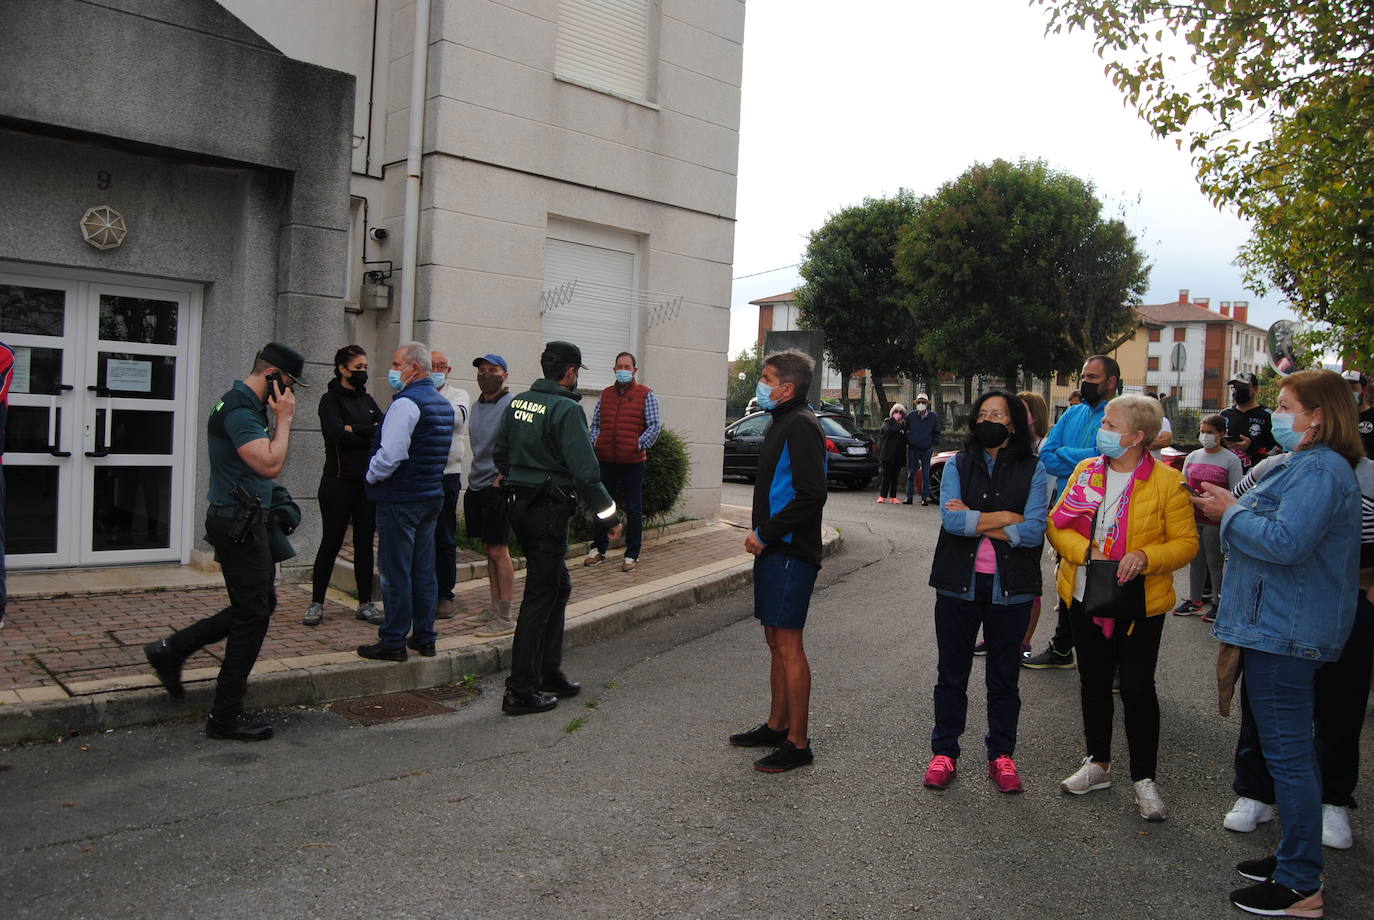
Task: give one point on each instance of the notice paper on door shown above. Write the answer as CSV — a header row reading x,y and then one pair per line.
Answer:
x,y
129,376
23,364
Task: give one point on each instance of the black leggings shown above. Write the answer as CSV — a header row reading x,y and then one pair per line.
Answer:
x,y
341,501
887,487
1135,650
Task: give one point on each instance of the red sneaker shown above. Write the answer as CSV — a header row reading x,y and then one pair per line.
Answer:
x,y
940,773
1002,771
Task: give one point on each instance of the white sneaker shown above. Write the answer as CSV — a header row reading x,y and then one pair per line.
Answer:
x,y
482,618
497,627
1336,827
1087,778
1147,797
595,557
1247,814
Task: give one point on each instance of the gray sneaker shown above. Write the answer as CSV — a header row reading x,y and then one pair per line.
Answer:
x,y
314,614
497,627
480,619
371,613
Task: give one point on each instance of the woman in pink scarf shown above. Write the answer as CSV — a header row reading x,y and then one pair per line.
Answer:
x,y
1124,507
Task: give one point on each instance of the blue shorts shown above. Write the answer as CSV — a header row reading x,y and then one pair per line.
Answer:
x,y
782,590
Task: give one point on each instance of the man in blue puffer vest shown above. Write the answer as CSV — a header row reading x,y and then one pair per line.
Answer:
x,y
406,479
1072,440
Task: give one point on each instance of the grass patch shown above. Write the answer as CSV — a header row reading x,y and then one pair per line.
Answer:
x,y
575,724
468,681
611,684
592,704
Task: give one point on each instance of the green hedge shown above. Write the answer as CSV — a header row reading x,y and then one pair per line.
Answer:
x,y
666,472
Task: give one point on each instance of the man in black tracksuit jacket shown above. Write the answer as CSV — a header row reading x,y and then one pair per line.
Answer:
x,y
789,495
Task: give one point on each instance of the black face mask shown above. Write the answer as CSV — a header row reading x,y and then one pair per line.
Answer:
x,y
358,379
490,384
990,434
1240,394
1090,392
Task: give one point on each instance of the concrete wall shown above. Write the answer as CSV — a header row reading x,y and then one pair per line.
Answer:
x,y
228,160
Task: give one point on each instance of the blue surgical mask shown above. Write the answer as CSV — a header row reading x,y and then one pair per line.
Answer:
x,y
438,378
765,396
624,376
393,377
1109,442
1283,431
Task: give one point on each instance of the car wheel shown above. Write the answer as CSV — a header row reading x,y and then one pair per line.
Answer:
x,y
936,474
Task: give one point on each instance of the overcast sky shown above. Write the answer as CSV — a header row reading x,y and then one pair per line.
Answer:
x,y
859,98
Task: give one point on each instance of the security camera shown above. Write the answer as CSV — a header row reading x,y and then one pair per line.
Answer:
x,y
377,233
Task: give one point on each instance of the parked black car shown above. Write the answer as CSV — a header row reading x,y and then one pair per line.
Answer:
x,y
849,452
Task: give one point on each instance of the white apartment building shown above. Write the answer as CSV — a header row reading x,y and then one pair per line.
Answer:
x,y
1215,346
188,181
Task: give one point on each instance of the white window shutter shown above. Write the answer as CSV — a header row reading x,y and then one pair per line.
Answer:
x,y
597,318
605,44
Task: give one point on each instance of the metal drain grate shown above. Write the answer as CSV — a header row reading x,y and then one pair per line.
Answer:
x,y
449,693
393,707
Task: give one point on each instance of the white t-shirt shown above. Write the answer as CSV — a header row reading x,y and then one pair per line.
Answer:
x,y
1116,487
1159,454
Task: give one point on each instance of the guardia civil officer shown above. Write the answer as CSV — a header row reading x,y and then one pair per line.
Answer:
x,y
244,459
545,453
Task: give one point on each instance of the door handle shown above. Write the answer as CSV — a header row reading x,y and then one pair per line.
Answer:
x,y
99,391
55,436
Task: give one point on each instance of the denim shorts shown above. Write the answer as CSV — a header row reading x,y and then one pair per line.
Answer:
x,y
782,590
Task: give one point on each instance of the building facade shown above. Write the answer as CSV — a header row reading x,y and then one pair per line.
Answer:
x,y
569,172
1213,346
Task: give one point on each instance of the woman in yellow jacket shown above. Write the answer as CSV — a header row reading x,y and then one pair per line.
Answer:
x,y
1124,507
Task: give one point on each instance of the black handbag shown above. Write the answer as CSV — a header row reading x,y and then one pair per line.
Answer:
x,y
1104,597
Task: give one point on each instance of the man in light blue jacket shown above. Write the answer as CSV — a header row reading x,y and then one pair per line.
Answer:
x,y
1071,441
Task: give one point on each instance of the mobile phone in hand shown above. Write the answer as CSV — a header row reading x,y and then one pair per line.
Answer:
x,y
276,387
1198,493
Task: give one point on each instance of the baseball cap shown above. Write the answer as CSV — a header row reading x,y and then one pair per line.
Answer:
x,y
566,352
1246,378
492,359
1356,377
286,358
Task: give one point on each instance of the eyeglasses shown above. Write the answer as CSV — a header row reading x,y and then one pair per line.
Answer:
x,y
996,416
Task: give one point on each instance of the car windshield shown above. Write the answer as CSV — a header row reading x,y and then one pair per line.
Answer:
x,y
838,427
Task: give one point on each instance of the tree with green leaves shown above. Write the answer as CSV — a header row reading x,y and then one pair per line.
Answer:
x,y
748,363
1275,100
852,294
1012,267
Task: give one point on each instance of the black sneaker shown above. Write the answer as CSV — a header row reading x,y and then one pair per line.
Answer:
x,y
1258,870
787,757
1270,899
524,704
1051,657
426,649
379,652
762,736
167,666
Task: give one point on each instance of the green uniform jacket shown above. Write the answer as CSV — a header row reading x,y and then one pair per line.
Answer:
x,y
544,435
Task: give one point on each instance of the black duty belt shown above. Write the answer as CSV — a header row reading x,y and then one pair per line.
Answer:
x,y
229,511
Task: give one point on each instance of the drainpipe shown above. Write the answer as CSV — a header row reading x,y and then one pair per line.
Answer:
x,y
419,66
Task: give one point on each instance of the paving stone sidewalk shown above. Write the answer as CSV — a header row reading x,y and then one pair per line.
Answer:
x,y
64,647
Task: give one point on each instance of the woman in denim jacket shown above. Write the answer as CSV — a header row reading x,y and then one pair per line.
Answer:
x,y
1293,558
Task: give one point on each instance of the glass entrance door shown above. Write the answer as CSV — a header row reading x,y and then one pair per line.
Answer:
x,y
96,458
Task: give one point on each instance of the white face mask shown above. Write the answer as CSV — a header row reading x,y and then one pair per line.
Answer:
x,y
921,407
1210,441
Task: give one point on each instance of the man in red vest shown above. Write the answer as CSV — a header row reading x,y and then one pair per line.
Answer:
x,y
625,424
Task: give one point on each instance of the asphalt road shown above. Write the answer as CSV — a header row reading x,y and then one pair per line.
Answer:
x,y
644,811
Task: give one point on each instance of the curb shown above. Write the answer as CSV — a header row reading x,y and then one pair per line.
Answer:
x,y
45,721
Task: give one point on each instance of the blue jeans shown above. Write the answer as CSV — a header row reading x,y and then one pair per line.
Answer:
x,y
406,558
632,475
446,536
1282,691
915,457
956,630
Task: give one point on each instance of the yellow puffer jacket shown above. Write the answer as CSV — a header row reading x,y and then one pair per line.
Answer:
x,y
1159,522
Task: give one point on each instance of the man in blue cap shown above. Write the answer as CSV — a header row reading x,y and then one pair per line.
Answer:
x,y
484,503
